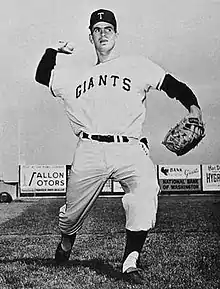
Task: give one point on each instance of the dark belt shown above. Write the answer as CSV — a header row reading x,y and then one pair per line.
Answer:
x,y
105,138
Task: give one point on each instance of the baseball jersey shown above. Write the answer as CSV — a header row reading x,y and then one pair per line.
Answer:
x,y
107,98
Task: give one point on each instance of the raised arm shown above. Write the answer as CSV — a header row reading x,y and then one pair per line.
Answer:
x,y
48,61
45,66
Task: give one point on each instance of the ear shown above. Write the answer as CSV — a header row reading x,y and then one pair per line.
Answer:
x,y
91,38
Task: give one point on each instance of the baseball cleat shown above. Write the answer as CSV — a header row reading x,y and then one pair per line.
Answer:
x,y
134,275
62,256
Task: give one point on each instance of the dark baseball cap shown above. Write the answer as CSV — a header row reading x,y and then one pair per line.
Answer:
x,y
102,15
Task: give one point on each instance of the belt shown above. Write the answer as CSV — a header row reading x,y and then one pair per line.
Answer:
x,y
105,138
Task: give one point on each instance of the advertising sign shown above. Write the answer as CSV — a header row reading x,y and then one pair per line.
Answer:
x,y
43,178
117,188
179,177
107,187
211,177
112,188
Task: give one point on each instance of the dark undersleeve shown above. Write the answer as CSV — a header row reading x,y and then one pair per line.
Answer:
x,y
179,90
45,66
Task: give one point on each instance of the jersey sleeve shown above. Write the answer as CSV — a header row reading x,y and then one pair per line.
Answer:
x,y
152,74
59,82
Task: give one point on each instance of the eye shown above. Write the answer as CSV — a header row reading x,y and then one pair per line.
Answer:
x,y
109,30
96,30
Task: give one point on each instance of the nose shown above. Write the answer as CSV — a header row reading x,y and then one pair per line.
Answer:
x,y
102,32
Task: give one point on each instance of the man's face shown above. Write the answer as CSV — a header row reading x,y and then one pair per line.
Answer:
x,y
103,36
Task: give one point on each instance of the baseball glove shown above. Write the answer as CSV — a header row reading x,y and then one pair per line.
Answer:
x,y
185,136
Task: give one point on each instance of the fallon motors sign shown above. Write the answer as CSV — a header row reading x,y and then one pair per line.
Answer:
x,y
43,178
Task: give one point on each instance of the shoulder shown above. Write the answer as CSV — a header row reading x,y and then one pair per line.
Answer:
x,y
138,60
131,58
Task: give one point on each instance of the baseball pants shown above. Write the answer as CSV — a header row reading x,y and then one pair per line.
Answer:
x,y
94,163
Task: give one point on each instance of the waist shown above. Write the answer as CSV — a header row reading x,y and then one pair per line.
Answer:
x,y
106,138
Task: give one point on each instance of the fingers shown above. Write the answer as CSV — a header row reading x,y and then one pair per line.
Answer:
x,y
65,47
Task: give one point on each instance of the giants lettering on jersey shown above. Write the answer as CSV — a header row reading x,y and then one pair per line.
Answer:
x,y
103,80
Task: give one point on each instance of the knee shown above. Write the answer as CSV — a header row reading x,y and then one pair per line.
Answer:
x,y
68,221
140,202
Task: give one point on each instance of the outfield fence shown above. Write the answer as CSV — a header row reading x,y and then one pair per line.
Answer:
x,y
38,181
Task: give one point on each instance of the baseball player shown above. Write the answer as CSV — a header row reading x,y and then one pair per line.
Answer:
x,y
106,109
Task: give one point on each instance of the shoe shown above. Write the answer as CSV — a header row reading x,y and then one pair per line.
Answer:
x,y
62,256
134,275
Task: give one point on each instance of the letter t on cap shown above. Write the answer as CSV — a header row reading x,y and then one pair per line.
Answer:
x,y
100,15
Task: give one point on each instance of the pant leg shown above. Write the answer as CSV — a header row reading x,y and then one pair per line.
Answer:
x,y
87,178
138,178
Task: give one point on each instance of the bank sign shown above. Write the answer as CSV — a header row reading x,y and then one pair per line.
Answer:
x,y
211,177
43,178
179,177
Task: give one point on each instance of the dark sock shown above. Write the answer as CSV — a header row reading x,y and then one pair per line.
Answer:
x,y
134,242
67,241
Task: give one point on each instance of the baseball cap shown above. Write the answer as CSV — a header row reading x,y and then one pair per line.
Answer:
x,y
103,15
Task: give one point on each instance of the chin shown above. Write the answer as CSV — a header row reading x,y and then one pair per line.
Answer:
x,y
106,47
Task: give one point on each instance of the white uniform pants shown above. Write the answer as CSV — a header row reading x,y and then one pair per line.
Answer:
x,y
94,162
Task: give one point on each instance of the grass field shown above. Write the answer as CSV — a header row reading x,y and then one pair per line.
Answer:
x,y
183,250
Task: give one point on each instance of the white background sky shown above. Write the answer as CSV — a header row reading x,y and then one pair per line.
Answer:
x,y
181,36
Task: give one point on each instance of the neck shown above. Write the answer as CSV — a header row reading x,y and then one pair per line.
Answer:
x,y
106,56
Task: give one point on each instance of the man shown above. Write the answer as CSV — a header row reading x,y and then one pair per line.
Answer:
x,y
106,108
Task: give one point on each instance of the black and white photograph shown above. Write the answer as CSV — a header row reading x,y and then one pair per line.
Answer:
x,y
109,144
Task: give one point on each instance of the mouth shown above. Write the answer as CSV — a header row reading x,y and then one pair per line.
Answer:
x,y
103,41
